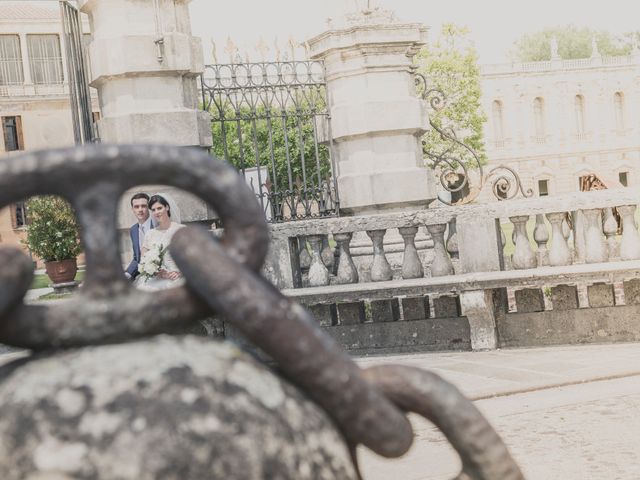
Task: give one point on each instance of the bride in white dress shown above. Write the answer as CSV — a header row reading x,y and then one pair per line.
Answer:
x,y
167,219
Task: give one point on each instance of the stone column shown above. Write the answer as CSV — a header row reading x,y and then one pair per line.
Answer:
x,y
145,64
480,250
377,119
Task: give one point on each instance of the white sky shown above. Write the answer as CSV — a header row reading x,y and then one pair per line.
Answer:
x,y
494,24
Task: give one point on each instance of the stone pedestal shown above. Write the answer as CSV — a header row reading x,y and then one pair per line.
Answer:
x,y
377,119
65,288
164,407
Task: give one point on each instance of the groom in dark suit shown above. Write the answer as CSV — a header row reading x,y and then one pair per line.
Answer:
x,y
138,231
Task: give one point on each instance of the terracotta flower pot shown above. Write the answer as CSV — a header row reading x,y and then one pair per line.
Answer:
x,y
63,271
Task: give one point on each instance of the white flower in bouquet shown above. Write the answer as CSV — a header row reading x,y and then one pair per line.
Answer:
x,y
151,261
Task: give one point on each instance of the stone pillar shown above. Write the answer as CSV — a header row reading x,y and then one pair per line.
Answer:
x,y
480,250
377,119
145,64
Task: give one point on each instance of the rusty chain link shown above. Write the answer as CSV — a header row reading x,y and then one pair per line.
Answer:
x,y
222,277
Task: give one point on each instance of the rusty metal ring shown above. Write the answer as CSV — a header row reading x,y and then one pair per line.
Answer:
x,y
221,276
93,178
283,329
16,276
483,454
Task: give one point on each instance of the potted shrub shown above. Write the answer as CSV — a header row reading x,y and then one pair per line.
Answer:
x,y
52,235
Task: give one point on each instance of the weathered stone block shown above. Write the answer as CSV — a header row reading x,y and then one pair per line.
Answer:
x,y
165,401
601,295
384,310
500,301
415,308
632,292
478,234
529,300
446,306
326,315
564,297
576,326
351,313
432,334
477,307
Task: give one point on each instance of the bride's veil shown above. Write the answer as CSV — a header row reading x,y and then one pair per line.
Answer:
x,y
173,207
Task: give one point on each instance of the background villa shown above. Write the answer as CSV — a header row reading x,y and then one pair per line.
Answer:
x,y
557,121
34,90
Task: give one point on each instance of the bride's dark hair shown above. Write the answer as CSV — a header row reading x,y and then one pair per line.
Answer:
x,y
160,199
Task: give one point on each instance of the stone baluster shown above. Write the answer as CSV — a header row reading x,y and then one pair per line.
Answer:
x,y
347,271
327,253
305,257
380,268
610,228
503,243
566,229
541,236
452,239
579,236
523,256
441,264
595,247
559,254
630,243
318,273
411,264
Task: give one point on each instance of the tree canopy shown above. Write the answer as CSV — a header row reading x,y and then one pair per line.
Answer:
x,y
450,65
573,42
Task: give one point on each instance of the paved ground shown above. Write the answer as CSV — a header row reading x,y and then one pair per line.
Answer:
x,y
565,412
570,413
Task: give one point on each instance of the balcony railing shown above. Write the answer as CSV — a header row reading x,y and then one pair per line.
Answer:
x,y
547,66
457,268
34,90
581,137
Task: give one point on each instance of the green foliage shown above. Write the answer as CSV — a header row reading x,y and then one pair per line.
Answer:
x,y
270,136
52,231
450,64
573,42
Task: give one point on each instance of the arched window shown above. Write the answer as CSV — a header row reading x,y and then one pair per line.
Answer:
x,y
578,107
618,105
538,115
498,131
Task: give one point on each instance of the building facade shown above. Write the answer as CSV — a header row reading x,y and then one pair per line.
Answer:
x,y
556,122
35,108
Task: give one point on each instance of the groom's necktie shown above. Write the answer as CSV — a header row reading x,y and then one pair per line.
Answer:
x,y
141,236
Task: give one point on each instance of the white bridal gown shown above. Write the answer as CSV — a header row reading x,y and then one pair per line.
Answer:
x,y
160,237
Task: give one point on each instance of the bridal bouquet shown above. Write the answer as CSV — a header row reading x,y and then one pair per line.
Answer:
x,y
151,261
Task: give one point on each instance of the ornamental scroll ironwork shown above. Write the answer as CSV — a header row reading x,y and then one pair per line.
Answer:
x,y
368,406
271,121
454,173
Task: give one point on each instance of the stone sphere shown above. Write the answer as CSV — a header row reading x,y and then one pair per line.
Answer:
x,y
166,407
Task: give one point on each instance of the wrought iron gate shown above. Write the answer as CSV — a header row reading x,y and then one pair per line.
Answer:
x,y
77,73
271,121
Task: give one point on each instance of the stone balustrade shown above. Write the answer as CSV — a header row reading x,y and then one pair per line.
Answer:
x,y
486,265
